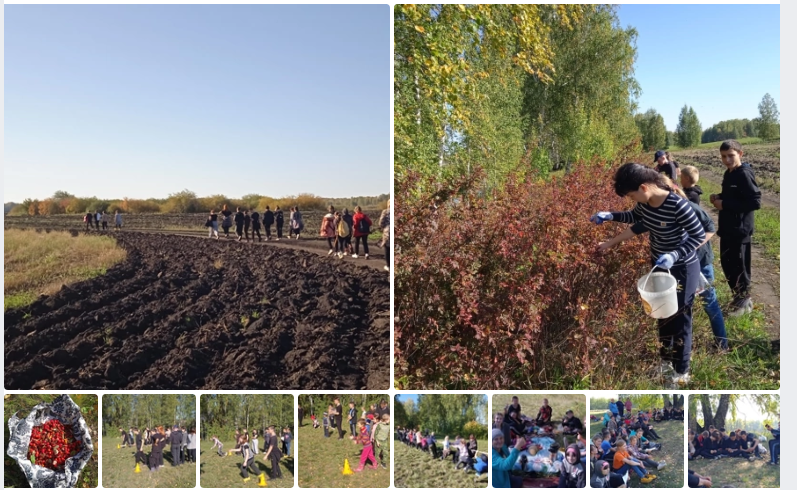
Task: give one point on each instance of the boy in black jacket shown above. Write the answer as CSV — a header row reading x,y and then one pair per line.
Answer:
x,y
239,224
739,199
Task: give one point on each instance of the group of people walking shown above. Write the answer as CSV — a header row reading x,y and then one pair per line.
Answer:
x,y
244,220
93,220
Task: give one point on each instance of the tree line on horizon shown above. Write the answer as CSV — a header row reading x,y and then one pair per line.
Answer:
x,y
186,201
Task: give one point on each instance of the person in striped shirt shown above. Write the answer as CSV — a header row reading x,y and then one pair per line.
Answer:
x,y
675,234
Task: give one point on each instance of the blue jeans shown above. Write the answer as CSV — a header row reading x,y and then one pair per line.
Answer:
x,y
638,469
712,308
288,447
774,450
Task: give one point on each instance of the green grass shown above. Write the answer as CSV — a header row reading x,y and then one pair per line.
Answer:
x,y
672,451
415,468
714,145
118,467
225,471
41,263
12,475
321,462
738,473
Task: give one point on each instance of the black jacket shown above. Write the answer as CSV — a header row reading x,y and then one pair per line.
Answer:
x,y
693,193
239,218
740,197
268,218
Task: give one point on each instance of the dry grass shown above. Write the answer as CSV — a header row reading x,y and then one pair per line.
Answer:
x,y
41,263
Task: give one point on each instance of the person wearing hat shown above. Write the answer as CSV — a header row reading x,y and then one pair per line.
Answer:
x,y
504,460
664,166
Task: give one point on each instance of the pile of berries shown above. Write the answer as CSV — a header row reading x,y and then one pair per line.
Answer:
x,y
52,444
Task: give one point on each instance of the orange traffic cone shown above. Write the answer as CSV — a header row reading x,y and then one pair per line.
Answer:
x,y
346,468
138,468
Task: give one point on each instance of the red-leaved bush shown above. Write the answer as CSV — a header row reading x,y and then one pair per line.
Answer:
x,y
507,291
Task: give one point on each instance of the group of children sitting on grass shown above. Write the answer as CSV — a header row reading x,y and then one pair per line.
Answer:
x,y
464,452
182,444
679,231
625,445
535,452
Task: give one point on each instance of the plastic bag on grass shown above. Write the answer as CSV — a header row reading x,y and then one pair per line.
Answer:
x,y
68,413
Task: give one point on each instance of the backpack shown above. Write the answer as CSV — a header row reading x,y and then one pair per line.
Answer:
x,y
363,226
343,229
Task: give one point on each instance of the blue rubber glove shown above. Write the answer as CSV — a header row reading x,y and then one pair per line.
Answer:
x,y
601,216
666,261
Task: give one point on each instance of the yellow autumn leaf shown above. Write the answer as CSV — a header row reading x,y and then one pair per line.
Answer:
x,y
419,29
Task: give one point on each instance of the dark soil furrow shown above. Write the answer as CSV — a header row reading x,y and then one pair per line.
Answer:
x,y
189,313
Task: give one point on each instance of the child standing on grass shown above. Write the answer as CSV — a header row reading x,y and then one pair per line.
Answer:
x,y
326,422
140,457
273,454
249,461
675,234
368,447
352,418
739,199
381,436
254,446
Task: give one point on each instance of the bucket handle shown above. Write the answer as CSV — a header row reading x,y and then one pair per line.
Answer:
x,y
648,276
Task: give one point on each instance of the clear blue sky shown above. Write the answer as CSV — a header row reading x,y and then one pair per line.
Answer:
x,y
146,100
719,59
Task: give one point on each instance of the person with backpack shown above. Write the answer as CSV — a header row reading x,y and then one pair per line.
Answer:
x,y
362,228
268,220
349,219
256,226
328,228
342,232
226,221
239,223
279,220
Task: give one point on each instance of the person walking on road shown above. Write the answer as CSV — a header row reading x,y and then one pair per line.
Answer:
x,y
268,220
362,228
213,221
279,220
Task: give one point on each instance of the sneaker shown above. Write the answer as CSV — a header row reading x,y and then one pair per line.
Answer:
x,y
647,479
366,256
661,465
330,252
354,256
739,308
387,268
384,466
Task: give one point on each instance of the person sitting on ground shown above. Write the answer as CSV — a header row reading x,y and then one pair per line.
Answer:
x,y
623,462
500,423
544,414
571,423
481,465
636,452
516,425
750,446
572,473
603,477
730,447
698,481
606,447
504,460
774,445
472,446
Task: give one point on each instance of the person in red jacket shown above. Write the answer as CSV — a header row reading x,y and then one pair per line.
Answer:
x,y
362,228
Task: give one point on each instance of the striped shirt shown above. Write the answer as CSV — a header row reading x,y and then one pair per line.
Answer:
x,y
673,226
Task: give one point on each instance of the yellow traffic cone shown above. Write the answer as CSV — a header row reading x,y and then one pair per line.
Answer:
x,y
118,446
138,468
346,468
262,482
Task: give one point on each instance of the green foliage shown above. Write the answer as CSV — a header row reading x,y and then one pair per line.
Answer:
x,y
123,411
769,119
446,415
651,127
730,129
689,130
222,414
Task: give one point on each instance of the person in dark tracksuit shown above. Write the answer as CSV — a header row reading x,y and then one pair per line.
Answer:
x,y
339,417
279,220
273,454
675,234
256,226
176,440
247,224
268,220
739,199
156,452
140,456
226,221
239,223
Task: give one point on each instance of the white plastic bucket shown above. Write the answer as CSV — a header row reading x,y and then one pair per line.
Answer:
x,y
658,291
